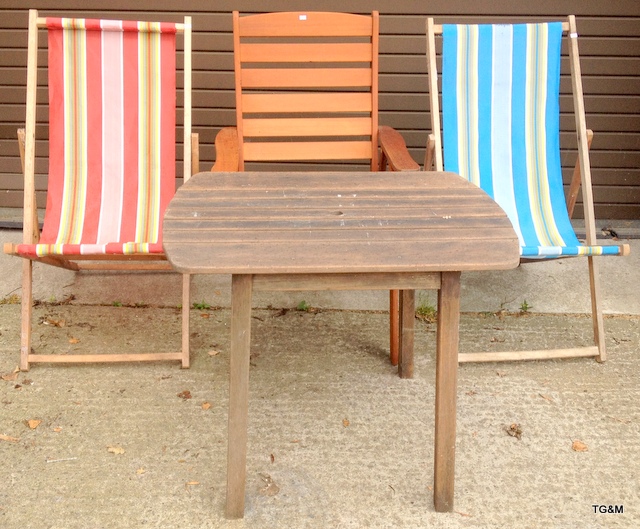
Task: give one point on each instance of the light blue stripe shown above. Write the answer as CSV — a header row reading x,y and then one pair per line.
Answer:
x,y
485,105
501,159
450,97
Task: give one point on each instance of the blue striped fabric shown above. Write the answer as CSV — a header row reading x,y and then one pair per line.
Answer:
x,y
500,105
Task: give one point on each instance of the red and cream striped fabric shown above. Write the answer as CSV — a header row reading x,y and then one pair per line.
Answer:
x,y
112,101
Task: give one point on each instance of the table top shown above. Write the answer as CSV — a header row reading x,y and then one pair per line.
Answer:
x,y
342,222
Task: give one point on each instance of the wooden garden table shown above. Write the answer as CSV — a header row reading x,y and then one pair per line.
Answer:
x,y
339,231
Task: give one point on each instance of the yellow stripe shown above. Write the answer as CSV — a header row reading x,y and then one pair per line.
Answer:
x,y
75,131
467,61
536,86
149,105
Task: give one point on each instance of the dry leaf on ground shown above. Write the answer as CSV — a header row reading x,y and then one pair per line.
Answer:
x,y
8,438
514,430
33,423
54,323
185,395
10,377
206,405
345,422
270,488
579,446
118,450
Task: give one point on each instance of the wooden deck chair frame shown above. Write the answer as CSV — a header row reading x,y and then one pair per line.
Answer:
x,y
581,180
313,115
129,262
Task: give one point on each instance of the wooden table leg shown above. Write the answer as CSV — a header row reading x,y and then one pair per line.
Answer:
x,y
407,328
446,390
241,289
394,326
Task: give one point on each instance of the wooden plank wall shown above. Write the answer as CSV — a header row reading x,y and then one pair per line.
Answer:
x,y
609,45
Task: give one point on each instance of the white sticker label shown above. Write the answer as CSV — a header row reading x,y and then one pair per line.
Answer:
x,y
302,17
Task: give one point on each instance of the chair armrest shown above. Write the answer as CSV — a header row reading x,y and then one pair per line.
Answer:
x,y
35,230
227,150
576,179
394,151
21,142
195,153
429,155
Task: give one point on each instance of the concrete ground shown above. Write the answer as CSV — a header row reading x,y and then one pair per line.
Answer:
x,y
336,440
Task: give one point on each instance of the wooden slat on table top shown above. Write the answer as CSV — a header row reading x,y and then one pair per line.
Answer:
x,y
335,222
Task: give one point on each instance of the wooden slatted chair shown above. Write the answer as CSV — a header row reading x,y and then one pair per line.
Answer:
x,y
306,89
112,157
500,108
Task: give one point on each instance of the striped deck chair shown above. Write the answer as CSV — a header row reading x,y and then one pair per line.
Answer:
x,y
112,156
500,112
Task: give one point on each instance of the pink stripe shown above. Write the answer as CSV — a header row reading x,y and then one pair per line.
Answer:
x,y
130,118
112,137
55,182
168,126
94,148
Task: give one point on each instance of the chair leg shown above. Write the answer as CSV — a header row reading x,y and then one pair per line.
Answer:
x,y
394,326
407,323
596,309
186,306
27,309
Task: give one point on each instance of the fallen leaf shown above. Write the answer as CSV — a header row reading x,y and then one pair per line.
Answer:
x,y
270,488
205,315
33,423
185,395
140,471
54,323
74,340
545,397
579,446
57,429
345,422
273,458
8,438
213,352
514,430
206,405
10,377
118,450
192,483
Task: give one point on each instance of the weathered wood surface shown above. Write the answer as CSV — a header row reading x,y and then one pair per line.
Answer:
x,y
293,223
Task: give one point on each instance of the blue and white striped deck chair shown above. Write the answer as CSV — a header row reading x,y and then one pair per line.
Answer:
x,y
500,112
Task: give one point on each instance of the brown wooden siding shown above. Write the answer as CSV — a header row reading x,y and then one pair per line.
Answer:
x,y
609,46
